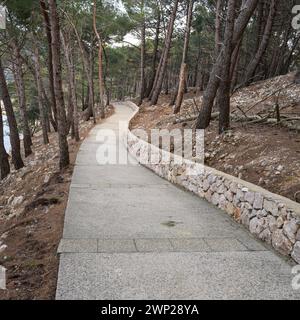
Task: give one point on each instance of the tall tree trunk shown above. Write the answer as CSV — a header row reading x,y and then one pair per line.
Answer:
x,y
223,97
106,86
180,88
143,54
183,69
69,110
285,67
82,94
72,84
100,64
90,111
42,111
47,23
196,71
155,54
167,80
44,96
283,49
20,86
91,86
241,23
164,58
64,160
259,24
218,26
4,163
235,59
250,72
12,123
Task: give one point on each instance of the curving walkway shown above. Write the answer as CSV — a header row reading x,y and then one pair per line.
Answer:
x,y
128,234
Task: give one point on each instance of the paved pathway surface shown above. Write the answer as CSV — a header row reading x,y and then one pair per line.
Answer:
x,y
129,234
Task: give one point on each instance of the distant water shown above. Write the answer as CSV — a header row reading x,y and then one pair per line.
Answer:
x,y
6,134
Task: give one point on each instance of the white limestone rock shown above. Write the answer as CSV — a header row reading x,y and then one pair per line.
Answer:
x,y
17,201
213,187
262,213
222,202
257,226
272,223
3,248
206,185
208,195
298,235
229,195
266,236
271,207
211,179
240,195
233,187
290,229
296,252
281,243
258,201
245,218
215,199
249,197
221,189
280,222
227,183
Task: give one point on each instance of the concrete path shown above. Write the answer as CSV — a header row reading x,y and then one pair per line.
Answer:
x,y
129,234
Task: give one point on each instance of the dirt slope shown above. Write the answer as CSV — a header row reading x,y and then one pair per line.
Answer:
x,y
32,207
261,152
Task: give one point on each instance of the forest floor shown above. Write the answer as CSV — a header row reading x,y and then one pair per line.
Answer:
x,y
264,153
32,208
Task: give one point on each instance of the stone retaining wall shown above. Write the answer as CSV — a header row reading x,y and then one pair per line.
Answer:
x,y
270,217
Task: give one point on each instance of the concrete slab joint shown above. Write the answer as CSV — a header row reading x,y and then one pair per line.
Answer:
x,y
249,204
129,234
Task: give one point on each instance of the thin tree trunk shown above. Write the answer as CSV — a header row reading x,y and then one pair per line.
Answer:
x,y
181,88
223,97
43,115
164,58
218,28
44,97
90,111
47,23
69,110
4,163
250,72
167,80
282,51
285,68
259,24
107,89
72,83
64,160
155,54
196,71
183,69
20,86
82,94
13,128
91,87
158,70
241,23
143,54
100,64
235,59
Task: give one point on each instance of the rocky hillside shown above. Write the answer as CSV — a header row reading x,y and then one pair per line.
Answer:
x,y
259,147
